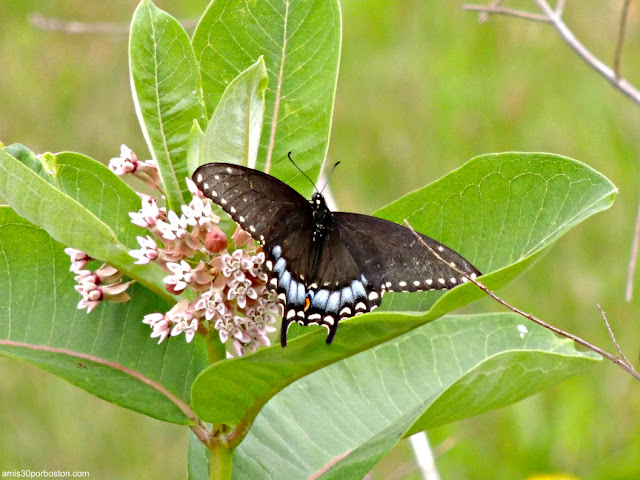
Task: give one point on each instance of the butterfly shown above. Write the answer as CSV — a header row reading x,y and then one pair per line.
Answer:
x,y
327,266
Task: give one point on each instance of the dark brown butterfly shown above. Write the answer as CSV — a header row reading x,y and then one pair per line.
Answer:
x,y
327,266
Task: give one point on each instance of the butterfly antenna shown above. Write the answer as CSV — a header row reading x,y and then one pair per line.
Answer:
x,y
329,176
302,172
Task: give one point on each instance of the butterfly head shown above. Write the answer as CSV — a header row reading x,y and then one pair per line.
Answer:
x,y
317,201
319,206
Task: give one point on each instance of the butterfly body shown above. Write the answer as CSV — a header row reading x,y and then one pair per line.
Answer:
x,y
327,266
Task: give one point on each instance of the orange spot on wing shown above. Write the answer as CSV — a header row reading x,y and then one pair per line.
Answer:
x,y
307,304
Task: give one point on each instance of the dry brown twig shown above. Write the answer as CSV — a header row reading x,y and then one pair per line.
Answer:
x,y
621,362
621,30
74,27
613,337
554,17
486,11
612,75
484,16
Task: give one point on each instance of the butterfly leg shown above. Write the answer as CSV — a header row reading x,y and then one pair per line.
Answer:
x,y
333,328
288,318
284,328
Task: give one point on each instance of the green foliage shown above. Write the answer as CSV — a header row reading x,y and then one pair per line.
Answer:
x,y
167,93
389,373
198,459
39,323
233,134
300,42
81,204
501,211
517,229
359,409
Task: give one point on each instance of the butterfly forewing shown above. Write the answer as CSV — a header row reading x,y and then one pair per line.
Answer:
x,y
396,258
256,201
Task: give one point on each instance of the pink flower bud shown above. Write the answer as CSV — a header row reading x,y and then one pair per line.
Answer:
x,y
216,240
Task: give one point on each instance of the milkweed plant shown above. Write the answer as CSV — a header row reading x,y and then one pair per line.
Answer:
x,y
179,316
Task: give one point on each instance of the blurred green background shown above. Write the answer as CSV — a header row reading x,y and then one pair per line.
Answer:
x,y
423,87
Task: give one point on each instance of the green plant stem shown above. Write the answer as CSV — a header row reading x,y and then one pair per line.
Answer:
x,y
216,350
221,462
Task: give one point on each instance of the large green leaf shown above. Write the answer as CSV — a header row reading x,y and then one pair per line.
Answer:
x,y
233,133
557,193
300,43
167,93
502,212
337,422
81,204
109,352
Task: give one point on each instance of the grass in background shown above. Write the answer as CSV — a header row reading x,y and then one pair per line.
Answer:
x,y
423,87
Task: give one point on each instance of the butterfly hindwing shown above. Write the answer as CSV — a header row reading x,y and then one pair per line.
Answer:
x,y
363,257
320,283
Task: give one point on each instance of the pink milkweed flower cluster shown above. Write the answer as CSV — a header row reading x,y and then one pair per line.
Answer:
x,y
225,289
105,284
128,162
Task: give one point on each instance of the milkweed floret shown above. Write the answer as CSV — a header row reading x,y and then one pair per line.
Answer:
x,y
213,305
223,288
160,324
79,259
128,162
103,284
148,251
149,215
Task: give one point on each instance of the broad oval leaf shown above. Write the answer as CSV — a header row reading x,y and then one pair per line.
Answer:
x,y
107,353
233,391
502,212
300,41
233,133
81,204
167,93
449,369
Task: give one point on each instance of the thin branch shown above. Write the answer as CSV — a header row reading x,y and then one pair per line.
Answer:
x,y
198,427
73,27
53,24
591,60
613,337
620,42
446,445
631,271
490,10
612,75
554,17
484,16
621,363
